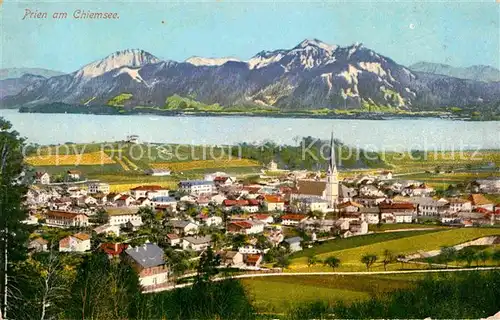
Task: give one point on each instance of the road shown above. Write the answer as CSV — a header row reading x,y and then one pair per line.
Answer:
x,y
333,273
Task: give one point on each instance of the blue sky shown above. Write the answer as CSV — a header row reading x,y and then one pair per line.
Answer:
x,y
456,33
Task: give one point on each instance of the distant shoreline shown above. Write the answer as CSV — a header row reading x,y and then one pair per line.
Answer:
x,y
107,110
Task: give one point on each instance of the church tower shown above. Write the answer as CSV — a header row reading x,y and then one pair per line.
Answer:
x,y
332,179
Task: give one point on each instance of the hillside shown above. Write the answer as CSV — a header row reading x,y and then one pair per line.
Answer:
x,y
311,75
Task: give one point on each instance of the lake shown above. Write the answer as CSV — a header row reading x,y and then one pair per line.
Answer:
x,y
396,134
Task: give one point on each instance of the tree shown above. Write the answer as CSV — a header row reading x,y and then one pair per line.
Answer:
x,y
401,258
332,262
12,189
239,241
447,255
282,261
388,258
483,256
496,256
207,268
368,259
311,261
466,255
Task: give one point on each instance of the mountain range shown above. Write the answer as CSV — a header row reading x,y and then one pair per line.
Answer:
x,y
478,73
311,75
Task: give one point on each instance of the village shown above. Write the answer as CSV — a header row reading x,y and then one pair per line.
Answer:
x,y
162,232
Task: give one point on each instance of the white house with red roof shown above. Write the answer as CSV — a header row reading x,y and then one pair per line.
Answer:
x,y
124,200
292,219
151,191
66,219
245,227
274,202
79,242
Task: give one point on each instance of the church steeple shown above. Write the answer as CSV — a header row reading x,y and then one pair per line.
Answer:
x,y
332,180
332,166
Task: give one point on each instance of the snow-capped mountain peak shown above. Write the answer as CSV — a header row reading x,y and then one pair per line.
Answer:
x,y
201,61
126,58
316,43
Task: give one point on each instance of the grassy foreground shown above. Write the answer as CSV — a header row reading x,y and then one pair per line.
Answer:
x,y
279,294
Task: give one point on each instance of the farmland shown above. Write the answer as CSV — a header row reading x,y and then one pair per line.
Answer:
x,y
91,158
278,294
350,258
204,164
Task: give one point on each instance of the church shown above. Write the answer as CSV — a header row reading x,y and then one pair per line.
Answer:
x,y
330,192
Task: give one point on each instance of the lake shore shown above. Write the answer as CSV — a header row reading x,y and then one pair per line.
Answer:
x,y
107,110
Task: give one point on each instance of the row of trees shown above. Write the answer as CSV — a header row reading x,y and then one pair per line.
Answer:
x,y
466,255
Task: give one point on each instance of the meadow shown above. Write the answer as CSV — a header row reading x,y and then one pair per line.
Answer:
x,y
350,257
278,294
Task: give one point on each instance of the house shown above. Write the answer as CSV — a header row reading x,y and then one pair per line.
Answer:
x,y
253,260
294,243
427,206
488,185
358,227
369,201
403,217
157,172
113,250
164,201
197,187
210,220
74,174
416,191
313,204
371,191
148,261
349,206
479,201
124,200
292,219
173,239
38,245
274,202
100,198
196,243
457,205
42,178
385,175
79,242
122,217
372,214
66,219
272,166
143,202
108,229
98,187
231,258
246,227
265,218
184,227
251,205
220,181
149,191
323,225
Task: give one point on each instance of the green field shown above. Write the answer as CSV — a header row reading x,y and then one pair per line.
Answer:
x,y
398,226
278,294
353,242
350,258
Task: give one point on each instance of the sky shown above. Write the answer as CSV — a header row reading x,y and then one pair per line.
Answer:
x,y
455,33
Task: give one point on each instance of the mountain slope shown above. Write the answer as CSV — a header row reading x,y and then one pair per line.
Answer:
x,y
478,72
311,75
10,73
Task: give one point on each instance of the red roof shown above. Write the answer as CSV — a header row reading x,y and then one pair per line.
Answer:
x,y
124,197
253,258
253,202
399,205
242,224
296,217
63,214
260,216
147,188
271,198
220,179
230,203
113,248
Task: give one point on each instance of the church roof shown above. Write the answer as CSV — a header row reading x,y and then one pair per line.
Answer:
x,y
311,187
